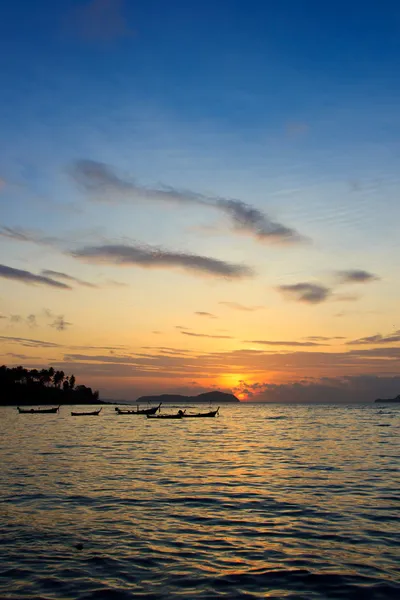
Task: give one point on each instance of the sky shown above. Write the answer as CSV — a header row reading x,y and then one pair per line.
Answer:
x,y
202,195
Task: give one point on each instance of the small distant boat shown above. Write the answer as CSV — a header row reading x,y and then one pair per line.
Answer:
x,y
86,414
178,415
38,411
211,413
143,411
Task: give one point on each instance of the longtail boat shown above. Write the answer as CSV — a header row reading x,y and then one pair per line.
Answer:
x,y
143,411
211,413
178,415
38,411
86,414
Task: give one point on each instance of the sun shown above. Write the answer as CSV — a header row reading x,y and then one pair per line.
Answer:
x,y
234,382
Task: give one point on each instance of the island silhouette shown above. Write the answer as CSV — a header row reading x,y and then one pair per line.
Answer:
x,y
23,387
214,397
397,399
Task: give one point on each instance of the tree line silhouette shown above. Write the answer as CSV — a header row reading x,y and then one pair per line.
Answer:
x,y
45,386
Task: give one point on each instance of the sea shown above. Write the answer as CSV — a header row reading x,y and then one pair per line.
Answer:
x,y
272,501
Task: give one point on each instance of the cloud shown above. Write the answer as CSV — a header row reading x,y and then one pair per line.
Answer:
x,y
153,257
15,319
346,298
30,278
59,275
100,179
250,220
201,313
101,20
310,293
282,343
338,390
31,320
377,339
163,365
19,234
356,276
28,342
204,335
60,324
114,283
323,338
40,343
21,356
237,306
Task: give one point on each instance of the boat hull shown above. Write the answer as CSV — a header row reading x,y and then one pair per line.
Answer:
x,y
164,416
94,413
38,411
143,411
211,414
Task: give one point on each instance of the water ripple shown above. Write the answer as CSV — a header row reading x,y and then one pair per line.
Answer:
x,y
282,502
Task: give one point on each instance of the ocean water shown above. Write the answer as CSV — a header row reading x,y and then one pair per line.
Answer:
x,y
265,501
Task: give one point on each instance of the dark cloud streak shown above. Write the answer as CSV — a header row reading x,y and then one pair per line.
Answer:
x,y
282,343
356,276
377,339
310,293
205,335
100,180
237,306
59,275
153,257
30,278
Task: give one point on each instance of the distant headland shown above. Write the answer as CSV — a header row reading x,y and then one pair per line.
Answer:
x,y
209,397
22,387
397,399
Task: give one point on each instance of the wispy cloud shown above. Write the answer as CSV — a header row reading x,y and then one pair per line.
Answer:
x,y
30,278
21,356
153,257
346,297
29,343
16,319
101,21
309,293
205,335
338,390
45,344
323,338
101,181
114,283
60,323
377,339
31,320
20,234
253,221
356,276
283,343
237,306
201,313
66,277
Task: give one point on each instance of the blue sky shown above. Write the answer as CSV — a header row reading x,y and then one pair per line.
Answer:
x,y
288,108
